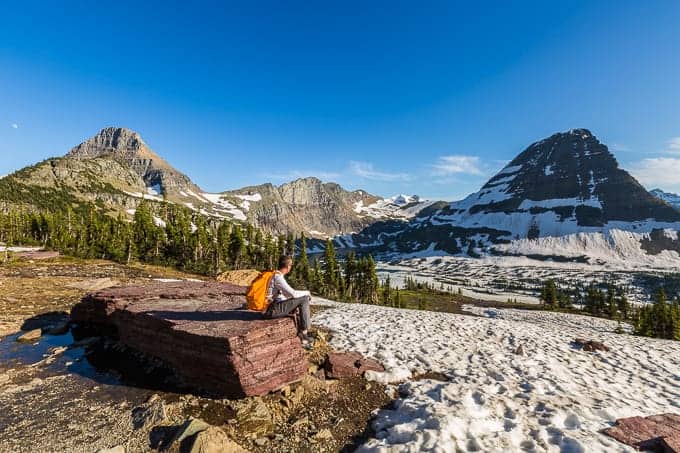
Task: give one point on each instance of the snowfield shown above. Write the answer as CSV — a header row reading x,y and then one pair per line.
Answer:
x,y
555,397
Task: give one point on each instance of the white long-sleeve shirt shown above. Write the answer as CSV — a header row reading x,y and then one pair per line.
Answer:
x,y
279,289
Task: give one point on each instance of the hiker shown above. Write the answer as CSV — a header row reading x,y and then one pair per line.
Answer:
x,y
280,299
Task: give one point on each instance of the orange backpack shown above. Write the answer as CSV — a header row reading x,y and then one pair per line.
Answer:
x,y
257,292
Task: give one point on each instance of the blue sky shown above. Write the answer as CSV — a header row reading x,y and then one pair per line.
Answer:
x,y
392,97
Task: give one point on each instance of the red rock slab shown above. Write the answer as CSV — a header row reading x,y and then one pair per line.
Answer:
x,y
656,432
349,364
37,255
197,328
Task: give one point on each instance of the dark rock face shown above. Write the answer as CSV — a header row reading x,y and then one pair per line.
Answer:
x,y
657,432
575,164
349,364
199,329
659,241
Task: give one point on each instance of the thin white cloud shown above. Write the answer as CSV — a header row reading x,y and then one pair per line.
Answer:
x,y
661,172
367,171
14,126
673,146
457,164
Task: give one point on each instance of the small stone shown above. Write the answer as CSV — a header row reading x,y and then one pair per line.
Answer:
x,y
301,421
324,435
31,335
116,449
298,395
254,418
149,414
312,384
189,428
519,350
286,391
214,440
261,441
58,351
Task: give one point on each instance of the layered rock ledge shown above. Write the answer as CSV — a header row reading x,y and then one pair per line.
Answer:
x,y
200,330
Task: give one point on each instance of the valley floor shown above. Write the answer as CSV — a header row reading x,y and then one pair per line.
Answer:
x,y
554,397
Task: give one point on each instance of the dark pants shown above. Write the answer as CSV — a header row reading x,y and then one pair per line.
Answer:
x,y
288,306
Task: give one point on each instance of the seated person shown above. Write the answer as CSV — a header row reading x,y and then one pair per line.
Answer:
x,y
284,300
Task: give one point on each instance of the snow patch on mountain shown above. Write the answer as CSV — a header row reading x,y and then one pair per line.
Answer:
x,y
398,206
618,247
250,197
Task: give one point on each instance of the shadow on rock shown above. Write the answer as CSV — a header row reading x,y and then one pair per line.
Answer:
x,y
46,320
132,367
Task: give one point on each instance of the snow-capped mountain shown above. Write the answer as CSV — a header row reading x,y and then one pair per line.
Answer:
x,y
566,186
396,207
672,199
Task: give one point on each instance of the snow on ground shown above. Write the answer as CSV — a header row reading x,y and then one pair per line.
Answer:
x,y
553,398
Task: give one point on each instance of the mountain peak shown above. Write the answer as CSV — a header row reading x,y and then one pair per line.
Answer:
x,y
126,145
119,141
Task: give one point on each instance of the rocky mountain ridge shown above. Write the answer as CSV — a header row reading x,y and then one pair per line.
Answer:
x,y
116,170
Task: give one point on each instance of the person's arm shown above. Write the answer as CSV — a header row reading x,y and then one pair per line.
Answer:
x,y
283,286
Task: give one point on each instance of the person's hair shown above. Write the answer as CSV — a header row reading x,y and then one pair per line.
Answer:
x,y
285,261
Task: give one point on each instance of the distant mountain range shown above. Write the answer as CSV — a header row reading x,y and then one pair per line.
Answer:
x,y
670,198
116,169
562,198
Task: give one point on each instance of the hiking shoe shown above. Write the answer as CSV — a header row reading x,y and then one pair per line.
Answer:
x,y
306,339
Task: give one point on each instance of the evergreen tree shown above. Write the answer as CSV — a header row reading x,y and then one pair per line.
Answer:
x,y
331,274
387,294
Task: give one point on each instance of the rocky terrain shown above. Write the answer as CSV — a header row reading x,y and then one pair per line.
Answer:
x,y
61,391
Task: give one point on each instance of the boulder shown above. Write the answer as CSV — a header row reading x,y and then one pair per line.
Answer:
x,y
349,364
590,345
656,432
200,330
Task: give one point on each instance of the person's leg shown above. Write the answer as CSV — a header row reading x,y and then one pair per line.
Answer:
x,y
284,307
288,306
305,316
